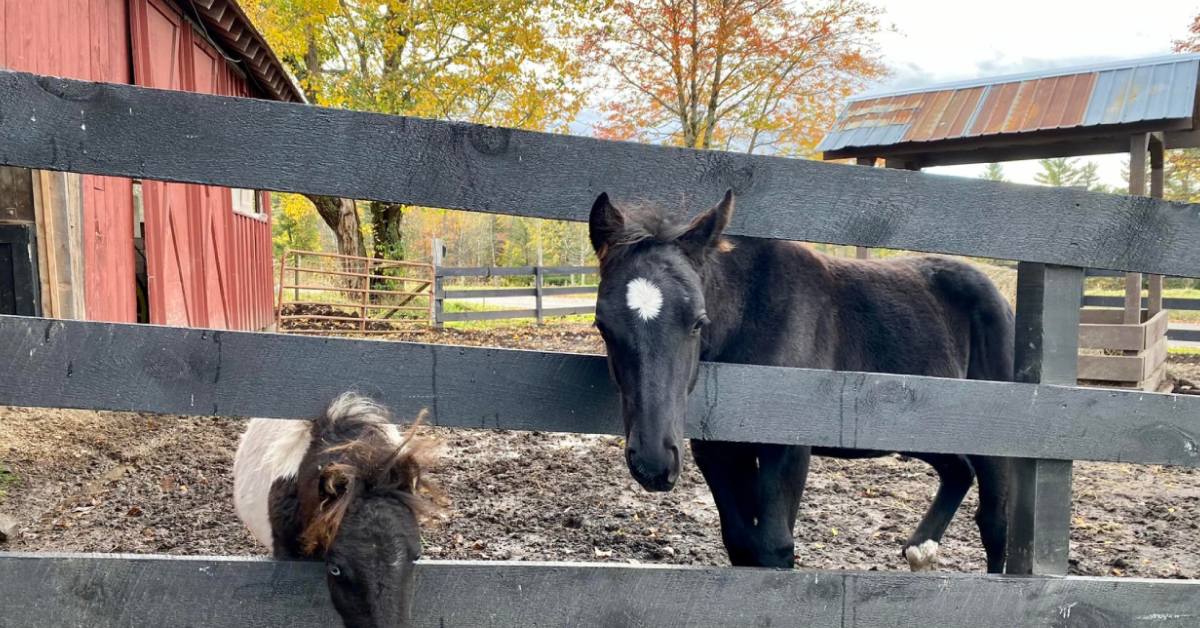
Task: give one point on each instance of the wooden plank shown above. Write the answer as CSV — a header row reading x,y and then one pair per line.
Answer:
x,y
75,364
1099,329
556,290
484,271
487,315
1046,344
121,130
1133,299
1169,303
16,195
120,591
1125,337
1111,368
489,292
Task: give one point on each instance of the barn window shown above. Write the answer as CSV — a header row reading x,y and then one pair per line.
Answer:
x,y
247,202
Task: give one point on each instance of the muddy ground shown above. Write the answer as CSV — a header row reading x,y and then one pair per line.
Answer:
x,y
124,482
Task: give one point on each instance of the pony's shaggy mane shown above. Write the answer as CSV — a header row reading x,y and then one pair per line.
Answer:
x,y
371,463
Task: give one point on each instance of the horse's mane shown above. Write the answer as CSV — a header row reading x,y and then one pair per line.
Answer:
x,y
647,222
360,456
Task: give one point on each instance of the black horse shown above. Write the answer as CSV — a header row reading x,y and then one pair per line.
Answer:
x,y
674,293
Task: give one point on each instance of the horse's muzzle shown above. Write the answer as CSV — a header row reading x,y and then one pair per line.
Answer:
x,y
655,468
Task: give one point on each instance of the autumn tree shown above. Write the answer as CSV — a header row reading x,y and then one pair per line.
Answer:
x,y
751,75
502,62
1182,167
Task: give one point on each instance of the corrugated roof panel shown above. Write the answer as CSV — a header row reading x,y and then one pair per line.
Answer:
x,y
942,127
1158,99
1004,96
1114,93
1059,98
1114,105
1141,91
966,112
928,116
1042,91
1014,117
1078,100
1182,96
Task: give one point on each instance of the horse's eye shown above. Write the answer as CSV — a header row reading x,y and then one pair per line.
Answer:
x,y
335,571
699,324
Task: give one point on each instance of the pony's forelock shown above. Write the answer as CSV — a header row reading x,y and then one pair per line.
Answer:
x,y
372,464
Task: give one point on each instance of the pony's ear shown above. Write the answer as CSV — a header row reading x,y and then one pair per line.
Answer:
x,y
604,223
705,231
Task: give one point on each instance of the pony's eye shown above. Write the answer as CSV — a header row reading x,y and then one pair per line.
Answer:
x,y
335,571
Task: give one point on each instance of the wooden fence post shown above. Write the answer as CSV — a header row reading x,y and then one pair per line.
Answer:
x,y
1046,352
436,297
537,292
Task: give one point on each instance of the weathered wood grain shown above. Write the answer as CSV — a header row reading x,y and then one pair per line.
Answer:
x,y
109,366
59,124
1046,352
120,591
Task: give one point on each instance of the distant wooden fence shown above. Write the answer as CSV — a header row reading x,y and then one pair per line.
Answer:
x,y
1043,420
1168,303
326,293
538,292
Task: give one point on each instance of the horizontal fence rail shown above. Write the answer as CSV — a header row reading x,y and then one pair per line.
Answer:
x,y
187,371
537,292
59,124
118,591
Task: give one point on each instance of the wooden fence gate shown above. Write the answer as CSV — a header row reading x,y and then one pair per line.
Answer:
x,y
1043,419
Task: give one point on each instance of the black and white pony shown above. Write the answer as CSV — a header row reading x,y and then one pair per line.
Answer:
x,y
674,293
345,488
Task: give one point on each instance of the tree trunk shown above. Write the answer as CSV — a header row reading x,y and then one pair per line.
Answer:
x,y
386,220
341,216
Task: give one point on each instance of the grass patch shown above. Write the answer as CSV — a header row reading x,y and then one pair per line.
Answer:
x,y
7,479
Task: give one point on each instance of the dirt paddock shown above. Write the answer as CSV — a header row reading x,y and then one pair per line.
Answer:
x,y
125,482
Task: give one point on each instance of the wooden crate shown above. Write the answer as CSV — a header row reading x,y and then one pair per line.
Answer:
x,y
1144,347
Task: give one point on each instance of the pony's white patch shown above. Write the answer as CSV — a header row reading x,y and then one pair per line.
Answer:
x,y
923,557
269,450
644,298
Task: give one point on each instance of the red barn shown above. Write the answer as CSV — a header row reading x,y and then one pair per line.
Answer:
x,y
103,248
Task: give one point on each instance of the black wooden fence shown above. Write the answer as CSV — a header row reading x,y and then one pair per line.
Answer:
x,y
1043,420
538,292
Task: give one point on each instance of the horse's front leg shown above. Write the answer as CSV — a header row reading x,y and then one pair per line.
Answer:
x,y
955,476
757,489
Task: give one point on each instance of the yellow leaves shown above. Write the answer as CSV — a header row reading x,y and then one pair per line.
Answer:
x,y
499,62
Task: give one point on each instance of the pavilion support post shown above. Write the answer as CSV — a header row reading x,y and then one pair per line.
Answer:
x,y
1156,191
1138,149
1046,352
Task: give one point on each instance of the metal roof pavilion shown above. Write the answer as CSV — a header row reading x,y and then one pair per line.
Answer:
x,y
1064,112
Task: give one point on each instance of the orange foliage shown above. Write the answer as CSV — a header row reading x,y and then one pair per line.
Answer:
x,y
751,75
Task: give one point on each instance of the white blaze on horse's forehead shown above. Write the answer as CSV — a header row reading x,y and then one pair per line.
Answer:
x,y
644,298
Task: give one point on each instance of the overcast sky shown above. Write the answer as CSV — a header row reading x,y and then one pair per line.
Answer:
x,y
948,40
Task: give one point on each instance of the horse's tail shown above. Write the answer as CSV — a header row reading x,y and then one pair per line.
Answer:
x,y
991,320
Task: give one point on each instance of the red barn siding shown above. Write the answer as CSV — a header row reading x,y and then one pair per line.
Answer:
x,y
84,39
206,265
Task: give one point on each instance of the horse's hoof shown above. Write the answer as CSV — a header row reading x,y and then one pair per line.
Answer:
x,y
923,557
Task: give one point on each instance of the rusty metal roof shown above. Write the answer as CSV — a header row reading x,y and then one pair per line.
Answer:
x,y
1137,91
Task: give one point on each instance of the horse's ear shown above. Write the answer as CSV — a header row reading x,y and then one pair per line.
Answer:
x,y
705,231
604,223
